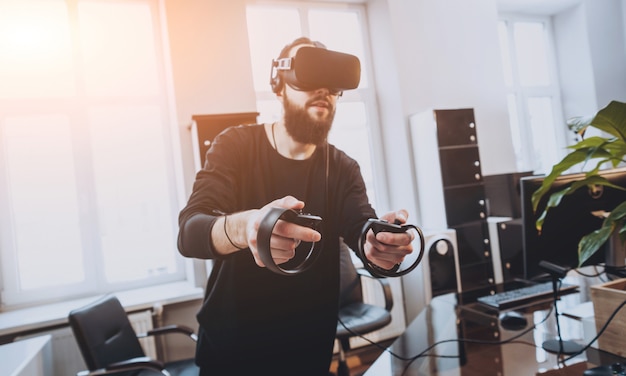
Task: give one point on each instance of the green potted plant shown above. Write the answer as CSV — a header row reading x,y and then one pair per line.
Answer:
x,y
592,153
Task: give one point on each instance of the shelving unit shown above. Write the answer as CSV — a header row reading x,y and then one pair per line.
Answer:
x,y
451,188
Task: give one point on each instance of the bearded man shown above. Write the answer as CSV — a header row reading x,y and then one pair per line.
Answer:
x,y
254,321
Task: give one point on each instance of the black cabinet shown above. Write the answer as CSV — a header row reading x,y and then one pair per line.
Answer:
x,y
456,128
464,195
510,235
464,204
206,127
460,165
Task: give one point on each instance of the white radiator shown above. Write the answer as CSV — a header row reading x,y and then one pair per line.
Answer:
x,y
142,322
66,355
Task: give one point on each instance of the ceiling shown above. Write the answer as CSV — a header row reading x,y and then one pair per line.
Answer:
x,y
541,7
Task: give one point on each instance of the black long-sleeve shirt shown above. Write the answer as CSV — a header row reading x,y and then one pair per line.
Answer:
x,y
252,317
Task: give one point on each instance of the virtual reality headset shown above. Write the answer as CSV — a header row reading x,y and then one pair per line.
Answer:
x,y
314,68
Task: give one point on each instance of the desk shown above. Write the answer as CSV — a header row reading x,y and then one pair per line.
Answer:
x,y
28,357
465,336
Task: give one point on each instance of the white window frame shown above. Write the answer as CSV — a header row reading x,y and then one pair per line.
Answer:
x,y
12,295
525,160
377,188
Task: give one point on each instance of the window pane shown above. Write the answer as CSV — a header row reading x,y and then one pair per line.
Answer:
x,y
350,134
543,133
339,29
516,131
269,111
324,25
505,51
86,181
531,53
42,188
131,182
115,60
35,50
269,30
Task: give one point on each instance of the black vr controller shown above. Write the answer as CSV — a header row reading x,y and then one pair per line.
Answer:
x,y
410,263
274,214
265,233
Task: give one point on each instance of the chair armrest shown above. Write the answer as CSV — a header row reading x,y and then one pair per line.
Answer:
x,y
143,362
384,284
170,329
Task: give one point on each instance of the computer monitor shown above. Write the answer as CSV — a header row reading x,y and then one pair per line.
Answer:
x,y
565,224
503,194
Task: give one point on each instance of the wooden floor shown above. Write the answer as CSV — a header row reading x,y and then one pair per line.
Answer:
x,y
360,359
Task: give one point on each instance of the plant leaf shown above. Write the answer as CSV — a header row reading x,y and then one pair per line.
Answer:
x,y
590,243
555,198
583,151
579,124
572,159
591,142
612,120
594,180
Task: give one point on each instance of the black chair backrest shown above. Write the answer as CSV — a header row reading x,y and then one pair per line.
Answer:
x,y
350,282
104,333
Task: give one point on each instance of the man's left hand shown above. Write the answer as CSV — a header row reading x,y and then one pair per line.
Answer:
x,y
387,249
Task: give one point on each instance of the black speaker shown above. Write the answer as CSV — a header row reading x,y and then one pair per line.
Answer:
x,y
510,237
441,264
440,272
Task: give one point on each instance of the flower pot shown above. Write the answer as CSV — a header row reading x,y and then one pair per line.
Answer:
x,y
606,298
615,254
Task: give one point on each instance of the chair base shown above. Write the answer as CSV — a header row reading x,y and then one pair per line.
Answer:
x,y
342,369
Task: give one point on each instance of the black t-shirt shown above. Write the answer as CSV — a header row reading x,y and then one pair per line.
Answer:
x,y
252,316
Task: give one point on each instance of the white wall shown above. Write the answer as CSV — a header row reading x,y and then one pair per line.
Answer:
x,y
438,55
624,21
448,57
427,55
210,63
592,58
420,63
591,54
575,70
605,25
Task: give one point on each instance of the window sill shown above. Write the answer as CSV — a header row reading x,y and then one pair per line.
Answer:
x,y
28,320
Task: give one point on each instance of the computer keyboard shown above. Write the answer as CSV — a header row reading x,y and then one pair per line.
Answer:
x,y
522,295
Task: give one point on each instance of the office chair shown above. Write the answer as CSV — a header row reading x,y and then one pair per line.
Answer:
x,y
109,344
355,316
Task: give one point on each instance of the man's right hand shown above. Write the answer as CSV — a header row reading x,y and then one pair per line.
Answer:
x,y
286,236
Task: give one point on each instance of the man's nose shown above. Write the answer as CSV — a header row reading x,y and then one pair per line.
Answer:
x,y
326,91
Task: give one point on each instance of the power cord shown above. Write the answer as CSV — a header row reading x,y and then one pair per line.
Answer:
x,y
426,351
513,339
600,273
606,324
474,341
597,273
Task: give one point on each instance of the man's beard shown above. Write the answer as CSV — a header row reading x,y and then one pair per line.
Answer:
x,y
302,127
